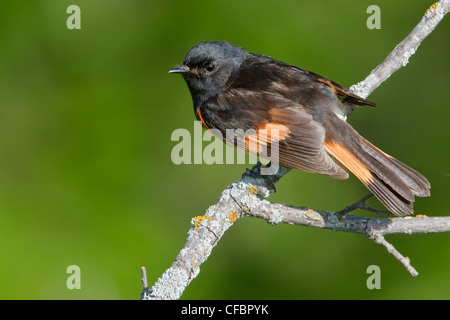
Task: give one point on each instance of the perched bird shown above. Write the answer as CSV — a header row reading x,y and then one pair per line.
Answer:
x,y
234,89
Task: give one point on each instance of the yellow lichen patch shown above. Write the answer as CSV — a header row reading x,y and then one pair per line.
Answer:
x,y
199,219
313,215
253,189
232,216
432,8
421,216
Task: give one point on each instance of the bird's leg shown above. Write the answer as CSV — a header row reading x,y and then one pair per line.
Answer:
x,y
269,180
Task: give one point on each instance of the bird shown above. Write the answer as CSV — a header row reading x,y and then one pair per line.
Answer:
x,y
233,89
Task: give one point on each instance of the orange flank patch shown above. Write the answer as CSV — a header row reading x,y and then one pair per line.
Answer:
x,y
267,133
344,156
200,118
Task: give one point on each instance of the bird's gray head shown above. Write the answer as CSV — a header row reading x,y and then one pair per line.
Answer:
x,y
208,67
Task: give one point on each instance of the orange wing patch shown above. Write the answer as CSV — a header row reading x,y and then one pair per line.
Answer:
x,y
329,84
266,134
345,157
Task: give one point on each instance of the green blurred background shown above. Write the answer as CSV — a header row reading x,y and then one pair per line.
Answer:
x,y
86,176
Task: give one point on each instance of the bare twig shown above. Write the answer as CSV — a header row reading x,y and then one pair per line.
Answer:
x,y
247,195
390,248
145,290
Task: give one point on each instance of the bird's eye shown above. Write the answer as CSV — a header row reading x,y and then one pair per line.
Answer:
x,y
210,67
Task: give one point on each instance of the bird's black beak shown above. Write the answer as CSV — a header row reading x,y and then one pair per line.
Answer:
x,y
180,69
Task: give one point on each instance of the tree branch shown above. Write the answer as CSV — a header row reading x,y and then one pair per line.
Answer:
x,y
400,56
247,195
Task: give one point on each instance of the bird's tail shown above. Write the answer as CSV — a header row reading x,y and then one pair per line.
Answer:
x,y
392,182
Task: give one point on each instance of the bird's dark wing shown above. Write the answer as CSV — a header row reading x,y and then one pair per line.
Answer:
x,y
292,82
341,92
266,123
